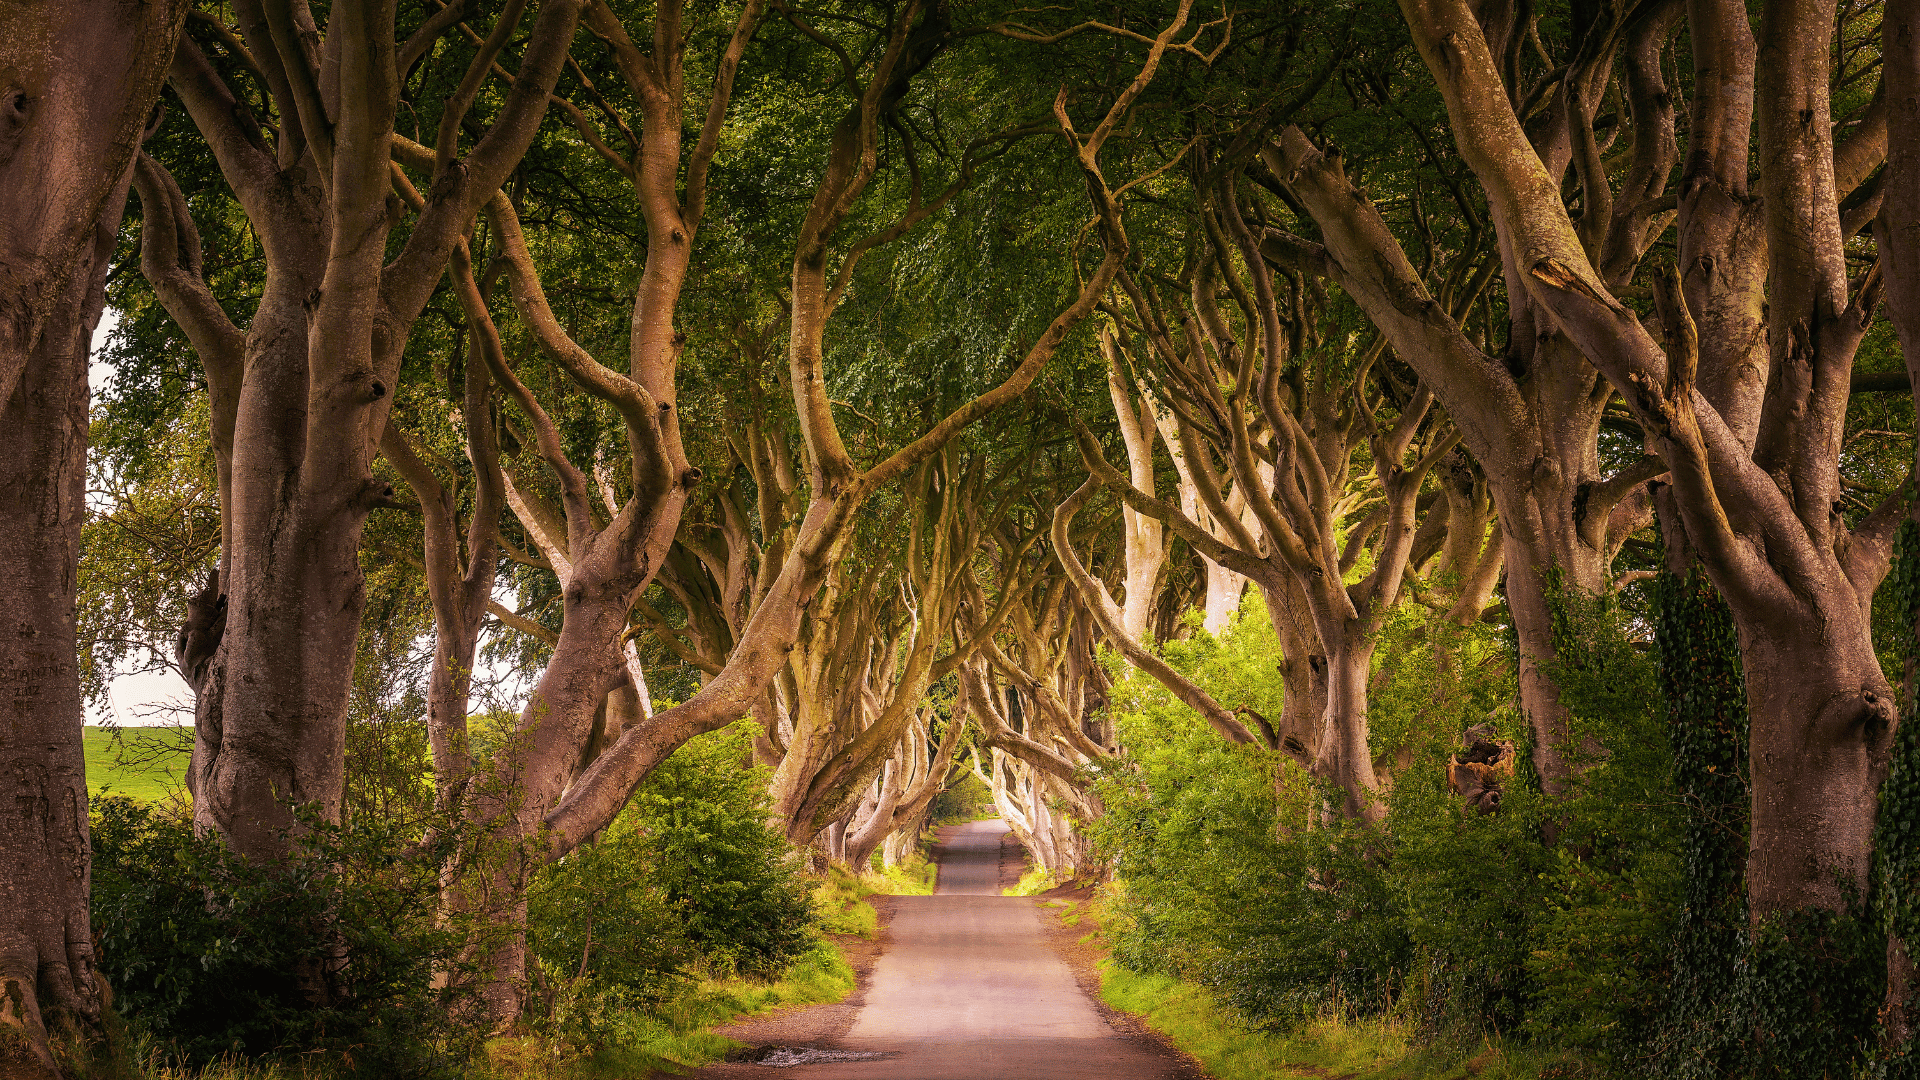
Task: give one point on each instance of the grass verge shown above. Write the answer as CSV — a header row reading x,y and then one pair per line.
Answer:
x,y
1032,883
914,877
677,1035
1383,1048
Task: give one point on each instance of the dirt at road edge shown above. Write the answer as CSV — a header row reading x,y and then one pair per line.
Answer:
x,y
820,1026
1078,946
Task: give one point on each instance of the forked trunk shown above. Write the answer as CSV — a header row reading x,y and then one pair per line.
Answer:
x,y
869,831
1303,670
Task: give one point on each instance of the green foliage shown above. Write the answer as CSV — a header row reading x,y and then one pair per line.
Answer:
x,y
688,874
1701,681
1225,880
963,800
1371,1048
210,956
597,915
1599,952
1806,990
1549,920
700,821
1897,828
151,534
591,1030
687,912
1896,837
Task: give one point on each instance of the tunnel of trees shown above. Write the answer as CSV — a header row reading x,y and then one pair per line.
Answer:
x,y
1417,500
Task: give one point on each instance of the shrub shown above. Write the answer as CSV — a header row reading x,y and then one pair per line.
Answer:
x,y
689,873
1552,918
332,952
1225,880
701,824
597,916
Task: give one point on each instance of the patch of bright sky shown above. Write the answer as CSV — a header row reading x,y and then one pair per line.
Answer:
x,y
162,698
147,698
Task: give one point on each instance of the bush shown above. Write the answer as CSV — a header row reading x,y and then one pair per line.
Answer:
x,y
688,874
332,952
1551,919
598,916
701,820
1226,881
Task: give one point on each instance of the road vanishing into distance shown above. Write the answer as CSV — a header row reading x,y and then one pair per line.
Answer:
x,y
969,989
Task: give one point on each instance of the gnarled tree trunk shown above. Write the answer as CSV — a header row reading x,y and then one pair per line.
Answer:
x,y
77,82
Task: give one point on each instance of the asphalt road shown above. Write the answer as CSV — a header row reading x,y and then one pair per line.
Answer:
x,y
969,989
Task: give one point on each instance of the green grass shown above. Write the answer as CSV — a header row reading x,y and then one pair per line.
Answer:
x,y
1377,1049
146,764
914,877
1031,883
1069,911
840,896
678,1035
1382,1048
837,899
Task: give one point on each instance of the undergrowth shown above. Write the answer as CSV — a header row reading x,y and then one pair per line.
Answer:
x,y
1032,883
673,1035
1373,1048
1335,1041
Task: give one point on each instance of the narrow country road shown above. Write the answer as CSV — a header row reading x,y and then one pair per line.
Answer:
x,y
969,989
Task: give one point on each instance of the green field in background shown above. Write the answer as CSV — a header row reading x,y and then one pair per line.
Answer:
x,y
148,763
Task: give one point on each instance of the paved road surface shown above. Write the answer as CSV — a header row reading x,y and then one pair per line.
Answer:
x,y
968,989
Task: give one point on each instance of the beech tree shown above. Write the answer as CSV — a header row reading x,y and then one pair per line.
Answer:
x,y
1749,448
79,86
1311,424
716,388
552,805
301,396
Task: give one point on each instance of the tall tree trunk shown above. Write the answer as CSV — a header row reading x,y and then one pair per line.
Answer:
x,y
1820,739
1541,540
77,82
1144,541
1343,755
1797,579
46,954
310,404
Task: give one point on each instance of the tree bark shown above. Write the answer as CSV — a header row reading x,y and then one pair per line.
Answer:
x,y
1145,545
1796,578
310,403
77,83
